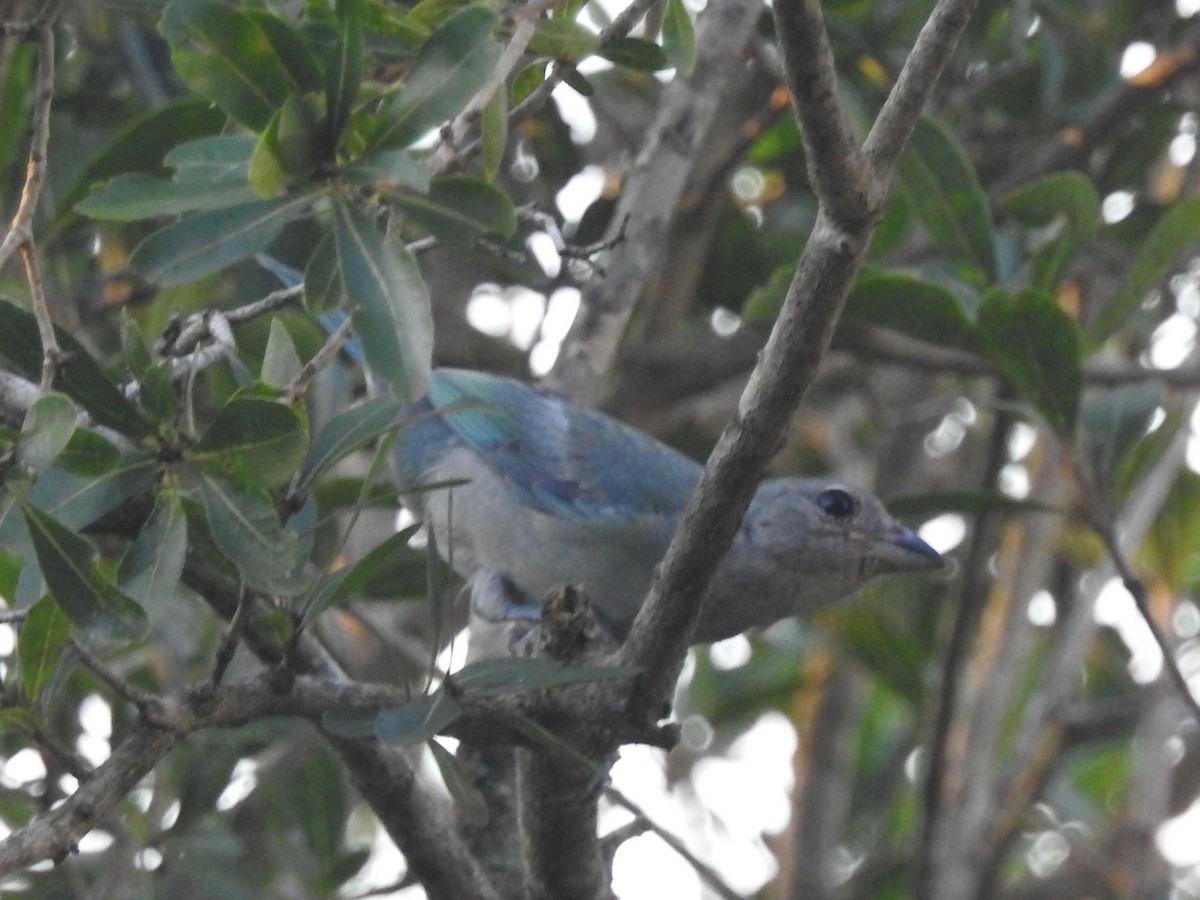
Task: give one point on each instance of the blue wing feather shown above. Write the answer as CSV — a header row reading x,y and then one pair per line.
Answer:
x,y
559,458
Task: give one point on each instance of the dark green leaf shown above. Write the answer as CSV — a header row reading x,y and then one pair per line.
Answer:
x,y
563,38
248,533
391,311
153,564
459,208
520,674
417,721
79,500
451,66
223,54
636,53
46,431
575,80
1039,348
44,634
87,453
914,306
346,432
157,398
493,129
1066,199
945,193
343,72
213,157
255,435
322,277
68,564
301,65
207,242
1178,229
135,351
78,376
378,564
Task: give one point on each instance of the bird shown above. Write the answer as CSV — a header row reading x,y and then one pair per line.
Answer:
x,y
526,493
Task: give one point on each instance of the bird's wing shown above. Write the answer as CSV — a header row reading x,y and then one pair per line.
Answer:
x,y
561,459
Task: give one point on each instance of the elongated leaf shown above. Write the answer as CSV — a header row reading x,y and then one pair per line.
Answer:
x,y
79,376
1116,419
87,453
342,76
390,169
128,198
346,432
520,674
153,564
391,302
563,38
1178,229
323,277
493,128
255,434
281,362
418,721
1068,198
79,500
207,242
946,195
379,564
247,531
44,634
636,53
914,306
46,431
679,36
350,721
450,67
1039,348
213,156
469,804
68,564
459,209
225,55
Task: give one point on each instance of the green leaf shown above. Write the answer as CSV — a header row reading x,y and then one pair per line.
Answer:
x,y
226,55
945,193
157,397
291,147
68,564
391,313
1115,419
493,129
281,363
151,568
678,36
342,76
255,435
1177,230
213,157
636,53
521,674
44,634
350,721
46,431
88,453
450,67
79,500
301,65
1068,200
377,565
128,198
135,351
1038,347
419,721
248,533
207,242
563,38
1171,549
389,169
459,208
913,306
322,277
79,376
346,432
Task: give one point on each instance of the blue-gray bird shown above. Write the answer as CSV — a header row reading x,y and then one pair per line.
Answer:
x,y
549,494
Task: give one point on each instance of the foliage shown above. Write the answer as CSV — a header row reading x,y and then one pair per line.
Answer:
x,y
204,454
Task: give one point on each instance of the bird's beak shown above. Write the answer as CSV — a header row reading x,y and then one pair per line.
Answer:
x,y
900,550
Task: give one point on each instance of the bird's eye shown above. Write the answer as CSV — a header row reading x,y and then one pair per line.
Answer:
x,y
837,503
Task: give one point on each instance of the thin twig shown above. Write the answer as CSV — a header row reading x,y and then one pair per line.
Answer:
x,y
231,637
322,359
141,699
197,328
707,873
52,354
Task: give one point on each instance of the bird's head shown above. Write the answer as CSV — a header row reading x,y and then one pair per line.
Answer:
x,y
825,529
